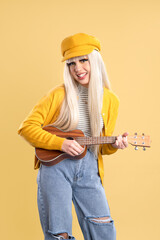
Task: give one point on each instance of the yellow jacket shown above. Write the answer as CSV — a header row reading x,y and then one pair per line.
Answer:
x,y
47,111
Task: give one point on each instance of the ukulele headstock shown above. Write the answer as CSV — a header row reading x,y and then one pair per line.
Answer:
x,y
139,141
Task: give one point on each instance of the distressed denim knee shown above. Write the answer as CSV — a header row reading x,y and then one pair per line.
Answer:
x,y
60,237
100,228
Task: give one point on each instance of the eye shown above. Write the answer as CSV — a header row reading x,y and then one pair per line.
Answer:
x,y
71,64
84,60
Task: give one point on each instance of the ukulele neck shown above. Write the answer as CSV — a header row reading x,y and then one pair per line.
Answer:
x,y
95,140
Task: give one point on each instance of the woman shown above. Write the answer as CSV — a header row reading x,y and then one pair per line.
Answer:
x,y
84,102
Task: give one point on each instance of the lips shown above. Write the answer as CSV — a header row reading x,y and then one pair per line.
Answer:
x,y
81,76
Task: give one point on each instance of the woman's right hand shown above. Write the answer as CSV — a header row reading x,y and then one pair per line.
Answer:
x,y
71,147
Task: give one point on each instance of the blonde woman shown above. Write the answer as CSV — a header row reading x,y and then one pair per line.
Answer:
x,y
86,102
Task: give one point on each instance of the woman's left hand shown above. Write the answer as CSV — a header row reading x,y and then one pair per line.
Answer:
x,y
121,141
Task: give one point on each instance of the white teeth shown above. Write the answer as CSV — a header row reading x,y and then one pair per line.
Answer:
x,y
81,75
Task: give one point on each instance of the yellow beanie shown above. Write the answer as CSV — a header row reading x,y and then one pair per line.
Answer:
x,y
78,45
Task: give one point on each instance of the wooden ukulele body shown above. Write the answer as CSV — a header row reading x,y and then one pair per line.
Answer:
x,y
52,157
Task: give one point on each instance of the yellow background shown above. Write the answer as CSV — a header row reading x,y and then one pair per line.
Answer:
x,y
30,65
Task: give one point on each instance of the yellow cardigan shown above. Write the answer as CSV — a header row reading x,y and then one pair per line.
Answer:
x,y
47,111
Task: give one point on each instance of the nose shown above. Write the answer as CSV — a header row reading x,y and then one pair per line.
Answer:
x,y
77,67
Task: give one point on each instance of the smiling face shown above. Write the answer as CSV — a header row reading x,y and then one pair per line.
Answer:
x,y
80,69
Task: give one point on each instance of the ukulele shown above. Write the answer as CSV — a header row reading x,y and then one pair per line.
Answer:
x,y
52,157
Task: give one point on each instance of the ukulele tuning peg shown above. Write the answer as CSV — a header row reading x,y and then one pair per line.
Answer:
x,y
136,148
135,135
143,136
144,149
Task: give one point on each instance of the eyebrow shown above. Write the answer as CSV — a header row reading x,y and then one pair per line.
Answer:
x,y
78,58
70,63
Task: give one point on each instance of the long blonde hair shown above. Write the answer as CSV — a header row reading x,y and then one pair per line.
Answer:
x,y
69,113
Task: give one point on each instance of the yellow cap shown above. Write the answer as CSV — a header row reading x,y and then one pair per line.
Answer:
x,y
78,45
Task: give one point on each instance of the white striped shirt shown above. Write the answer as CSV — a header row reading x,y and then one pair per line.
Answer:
x,y
84,120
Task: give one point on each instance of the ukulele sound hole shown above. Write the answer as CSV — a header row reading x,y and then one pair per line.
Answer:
x,y
70,138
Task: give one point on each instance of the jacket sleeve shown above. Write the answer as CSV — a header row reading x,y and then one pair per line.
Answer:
x,y
31,129
110,125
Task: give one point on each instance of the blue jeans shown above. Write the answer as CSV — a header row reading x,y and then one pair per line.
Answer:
x,y
77,181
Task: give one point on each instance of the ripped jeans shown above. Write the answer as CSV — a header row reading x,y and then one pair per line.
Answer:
x,y
77,181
